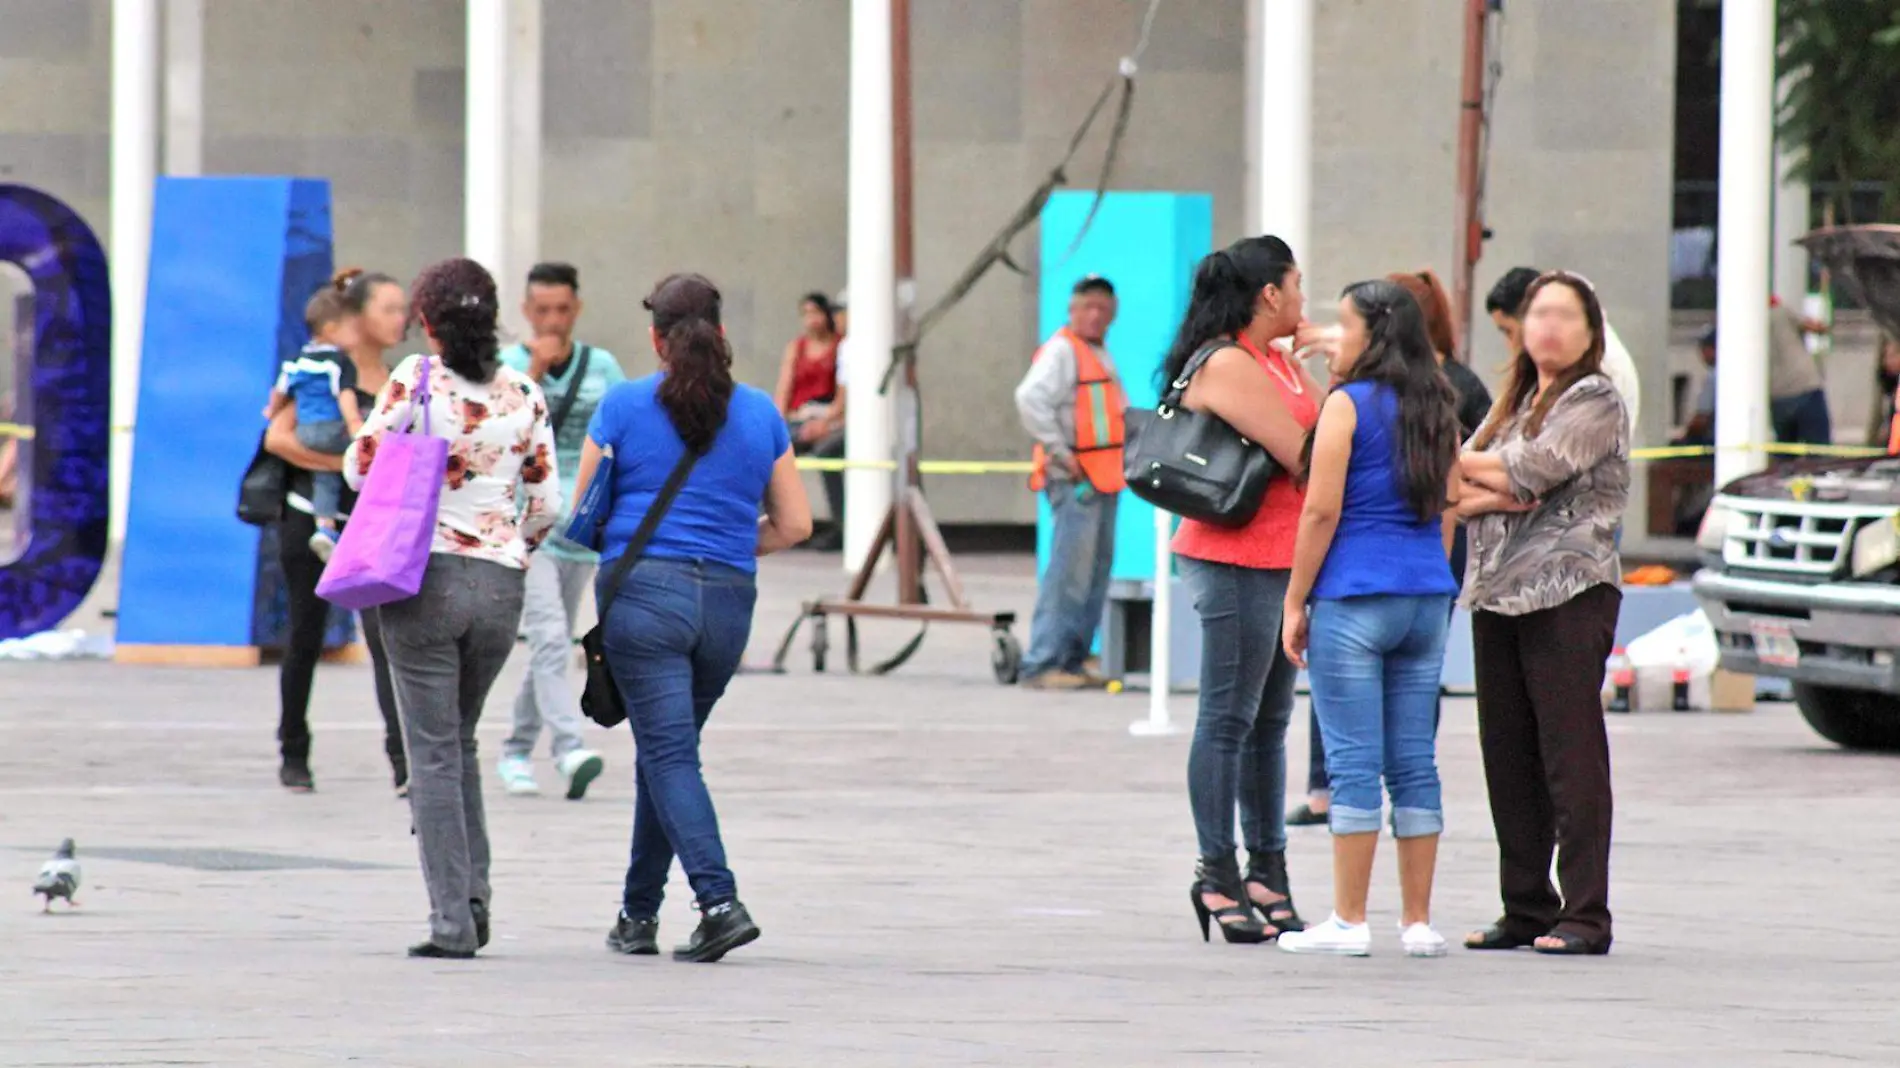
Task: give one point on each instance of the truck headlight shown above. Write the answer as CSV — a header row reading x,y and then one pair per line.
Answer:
x,y
1714,530
1876,546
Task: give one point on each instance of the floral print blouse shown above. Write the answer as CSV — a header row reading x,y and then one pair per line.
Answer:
x,y
500,441
1578,469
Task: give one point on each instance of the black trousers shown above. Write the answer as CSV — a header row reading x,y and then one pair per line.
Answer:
x,y
1547,760
304,647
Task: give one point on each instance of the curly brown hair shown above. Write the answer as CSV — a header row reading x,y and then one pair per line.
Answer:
x,y
456,302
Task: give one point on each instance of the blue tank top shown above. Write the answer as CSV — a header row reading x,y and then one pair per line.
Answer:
x,y
1381,548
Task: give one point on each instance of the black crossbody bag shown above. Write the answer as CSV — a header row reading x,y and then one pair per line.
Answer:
x,y
566,404
601,700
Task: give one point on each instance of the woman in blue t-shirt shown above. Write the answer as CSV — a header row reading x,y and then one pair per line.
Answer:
x,y
1371,561
675,631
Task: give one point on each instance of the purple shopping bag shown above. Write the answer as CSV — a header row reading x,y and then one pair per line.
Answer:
x,y
384,549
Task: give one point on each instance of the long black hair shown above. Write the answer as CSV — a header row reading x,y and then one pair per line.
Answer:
x,y
697,387
1227,287
456,301
823,304
1399,355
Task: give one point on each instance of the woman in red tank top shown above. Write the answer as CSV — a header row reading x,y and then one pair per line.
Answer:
x,y
808,374
1246,298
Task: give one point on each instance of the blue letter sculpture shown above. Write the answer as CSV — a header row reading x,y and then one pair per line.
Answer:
x,y
68,390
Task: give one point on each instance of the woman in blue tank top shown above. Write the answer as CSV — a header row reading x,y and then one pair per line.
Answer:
x,y
1369,599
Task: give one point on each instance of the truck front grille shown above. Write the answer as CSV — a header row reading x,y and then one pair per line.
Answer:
x,y
1793,538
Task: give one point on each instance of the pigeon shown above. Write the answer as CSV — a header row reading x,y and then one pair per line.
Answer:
x,y
59,877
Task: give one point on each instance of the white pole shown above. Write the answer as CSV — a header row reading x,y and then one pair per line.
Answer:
x,y
1743,236
1281,139
485,167
134,168
871,276
184,87
1160,635
524,157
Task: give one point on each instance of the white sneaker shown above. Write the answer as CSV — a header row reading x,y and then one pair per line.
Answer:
x,y
517,775
1420,940
1335,937
582,767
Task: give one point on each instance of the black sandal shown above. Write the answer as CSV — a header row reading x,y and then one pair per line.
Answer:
x,y
1498,936
1269,870
1573,945
1220,877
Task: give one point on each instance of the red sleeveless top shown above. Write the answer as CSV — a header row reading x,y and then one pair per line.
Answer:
x,y
1266,542
814,378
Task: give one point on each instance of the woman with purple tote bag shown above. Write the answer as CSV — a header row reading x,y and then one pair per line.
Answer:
x,y
442,545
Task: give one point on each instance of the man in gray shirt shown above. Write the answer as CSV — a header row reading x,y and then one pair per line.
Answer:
x,y
1071,402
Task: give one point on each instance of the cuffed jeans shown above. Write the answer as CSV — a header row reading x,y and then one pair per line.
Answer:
x,y
555,588
446,645
1238,756
1074,587
674,637
1375,666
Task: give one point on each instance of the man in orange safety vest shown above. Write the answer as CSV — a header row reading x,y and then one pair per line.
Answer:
x,y
1071,403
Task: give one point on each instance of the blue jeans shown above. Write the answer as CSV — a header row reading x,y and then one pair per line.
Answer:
x,y
1316,780
1238,756
673,639
1802,419
1375,665
1074,589
330,437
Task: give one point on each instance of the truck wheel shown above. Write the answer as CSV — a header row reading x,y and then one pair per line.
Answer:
x,y
1855,719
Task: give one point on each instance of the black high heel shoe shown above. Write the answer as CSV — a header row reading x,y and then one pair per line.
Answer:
x,y
1269,870
1220,877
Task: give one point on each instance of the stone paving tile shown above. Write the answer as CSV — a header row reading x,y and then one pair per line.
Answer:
x,y
947,872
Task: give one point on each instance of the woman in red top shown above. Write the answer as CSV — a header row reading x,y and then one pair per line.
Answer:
x,y
807,397
1246,297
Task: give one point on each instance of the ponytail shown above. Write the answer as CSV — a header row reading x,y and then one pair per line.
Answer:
x,y
1225,296
696,389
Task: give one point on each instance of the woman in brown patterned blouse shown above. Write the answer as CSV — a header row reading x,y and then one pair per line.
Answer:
x,y
1549,475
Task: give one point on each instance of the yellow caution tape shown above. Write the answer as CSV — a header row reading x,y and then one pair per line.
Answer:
x,y
26,433
1683,452
926,467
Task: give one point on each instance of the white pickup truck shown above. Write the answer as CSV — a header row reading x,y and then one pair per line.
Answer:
x,y
1801,574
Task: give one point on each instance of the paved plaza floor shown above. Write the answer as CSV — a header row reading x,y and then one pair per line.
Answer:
x,y
947,873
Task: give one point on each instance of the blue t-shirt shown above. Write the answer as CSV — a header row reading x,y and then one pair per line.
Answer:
x,y
715,518
1381,547
314,380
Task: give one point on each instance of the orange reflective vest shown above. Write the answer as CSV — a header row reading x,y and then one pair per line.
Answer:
x,y
1099,402
1893,430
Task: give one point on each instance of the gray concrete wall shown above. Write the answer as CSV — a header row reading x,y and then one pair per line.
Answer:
x,y
711,135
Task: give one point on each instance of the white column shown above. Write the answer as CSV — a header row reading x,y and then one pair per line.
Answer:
x,y
134,165
1280,138
524,156
485,165
1743,236
184,87
870,275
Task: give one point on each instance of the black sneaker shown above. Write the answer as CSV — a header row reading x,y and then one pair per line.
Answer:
x,y
722,928
637,938
480,911
295,776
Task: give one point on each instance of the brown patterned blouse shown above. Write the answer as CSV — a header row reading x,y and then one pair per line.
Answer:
x,y
1578,467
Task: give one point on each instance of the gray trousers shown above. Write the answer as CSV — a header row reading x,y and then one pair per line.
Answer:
x,y
445,647
555,590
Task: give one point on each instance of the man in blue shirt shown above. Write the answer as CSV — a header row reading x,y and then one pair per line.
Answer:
x,y
574,377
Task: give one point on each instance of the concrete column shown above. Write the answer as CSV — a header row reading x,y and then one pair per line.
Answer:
x,y
1280,134
486,168
870,275
524,158
1791,221
1743,236
134,168
184,142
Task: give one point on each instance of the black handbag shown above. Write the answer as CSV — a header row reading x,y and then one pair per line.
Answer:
x,y
262,490
1193,463
601,700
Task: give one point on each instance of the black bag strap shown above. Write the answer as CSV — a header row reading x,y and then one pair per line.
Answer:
x,y
566,404
648,524
1171,397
